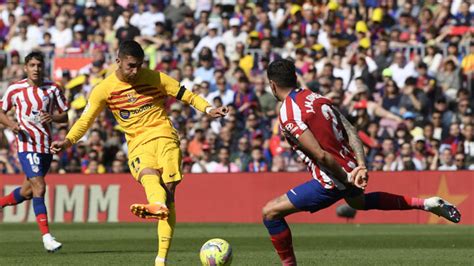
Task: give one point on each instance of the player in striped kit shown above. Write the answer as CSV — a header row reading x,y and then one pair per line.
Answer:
x,y
334,155
35,100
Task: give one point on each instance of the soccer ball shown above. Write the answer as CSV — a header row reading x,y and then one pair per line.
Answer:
x,y
216,252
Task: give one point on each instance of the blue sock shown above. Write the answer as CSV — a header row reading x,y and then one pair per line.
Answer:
x,y
18,197
38,205
275,227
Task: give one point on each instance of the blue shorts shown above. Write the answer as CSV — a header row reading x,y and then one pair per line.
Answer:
x,y
35,164
312,196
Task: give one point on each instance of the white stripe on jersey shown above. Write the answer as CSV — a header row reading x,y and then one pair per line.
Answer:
x,y
297,115
283,114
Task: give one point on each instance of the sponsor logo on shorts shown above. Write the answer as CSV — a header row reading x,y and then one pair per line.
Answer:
x,y
172,175
292,191
35,168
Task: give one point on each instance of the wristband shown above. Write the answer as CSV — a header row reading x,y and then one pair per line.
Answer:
x,y
208,109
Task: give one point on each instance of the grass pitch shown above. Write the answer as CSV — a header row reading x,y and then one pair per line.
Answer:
x,y
315,244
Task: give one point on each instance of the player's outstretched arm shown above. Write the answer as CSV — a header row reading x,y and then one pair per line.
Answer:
x,y
93,108
174,89
308,143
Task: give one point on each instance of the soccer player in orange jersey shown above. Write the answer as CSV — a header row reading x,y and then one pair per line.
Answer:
x,y
136,97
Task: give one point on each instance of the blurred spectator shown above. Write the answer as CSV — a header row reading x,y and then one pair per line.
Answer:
x,y
223,92
196,144
278,164
224,164
460,161
21,42
94,167
15,70
241,157
448,78
204,163
377,62
118,167
468,143
433,57
61,35
231,37
377,163
55,167
206,69
406,160
446,160
258,163
266,100
210,40
127,31
245,99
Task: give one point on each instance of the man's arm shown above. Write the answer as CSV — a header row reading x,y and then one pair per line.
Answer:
x,y
354,140
308,143
357,147
61,105
8,123
93,108
173,88
46,117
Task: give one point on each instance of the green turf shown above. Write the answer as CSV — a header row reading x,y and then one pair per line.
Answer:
x,y
315,244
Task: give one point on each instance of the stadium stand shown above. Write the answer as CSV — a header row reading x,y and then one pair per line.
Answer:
x,y
402,74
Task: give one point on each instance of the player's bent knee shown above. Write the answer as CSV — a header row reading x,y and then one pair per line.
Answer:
x,y
269,212
39,191
27,195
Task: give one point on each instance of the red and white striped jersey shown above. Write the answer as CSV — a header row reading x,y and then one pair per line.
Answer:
x,y
305,110
29,102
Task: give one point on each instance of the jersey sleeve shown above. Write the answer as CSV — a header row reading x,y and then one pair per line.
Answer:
x,y
61,101
291,120
173,88
94,106
7,101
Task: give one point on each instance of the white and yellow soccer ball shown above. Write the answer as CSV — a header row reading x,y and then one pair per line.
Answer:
x,y
216,252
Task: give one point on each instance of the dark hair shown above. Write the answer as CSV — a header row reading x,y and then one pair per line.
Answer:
x,y
130,48
283,73
34,55
243,79
411,81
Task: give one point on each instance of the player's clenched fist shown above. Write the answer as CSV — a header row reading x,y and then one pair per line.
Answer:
x,y
58,146
359,177
218,112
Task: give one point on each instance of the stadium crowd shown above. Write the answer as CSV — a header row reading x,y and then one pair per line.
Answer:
x,y
401,71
